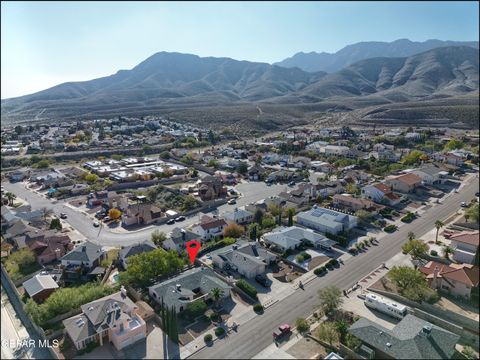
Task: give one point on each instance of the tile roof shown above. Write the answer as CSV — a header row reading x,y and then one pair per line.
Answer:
x,y
463,273
383,188
471,238
410,178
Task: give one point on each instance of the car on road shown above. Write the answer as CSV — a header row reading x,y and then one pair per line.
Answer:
x,y
171,221
100,215
180,218
463,204
232,192
63,216
477,194
291,183
262,280
96,223
232,202
281,331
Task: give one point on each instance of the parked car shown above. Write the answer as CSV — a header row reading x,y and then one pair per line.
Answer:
x,y
171,221
232,192
107,218
281,331
100,215
262,280
463,204
232,202
180,218
63,216
291,183
477,194
96,223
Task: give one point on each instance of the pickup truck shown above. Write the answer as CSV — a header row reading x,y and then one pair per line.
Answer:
x,y
281,331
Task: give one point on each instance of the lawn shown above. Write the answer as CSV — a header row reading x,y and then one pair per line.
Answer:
x,y
111,255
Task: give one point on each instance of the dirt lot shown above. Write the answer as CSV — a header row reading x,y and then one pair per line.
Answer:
x,y
307,349
286,273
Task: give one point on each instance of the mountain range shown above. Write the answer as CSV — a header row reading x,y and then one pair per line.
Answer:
x,y
214,91
350,54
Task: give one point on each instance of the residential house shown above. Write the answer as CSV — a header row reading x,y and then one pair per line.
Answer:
x,y
330,188
248,259
405,183
411,338
40,287
239,216
380,193
192,285
256,173
177,239
336,150
454,159
134,249
465,246
289,238
209,227
19,175
87,255
455,279
211,188
113,319
431,174
326,220
348,202
322,166
48,245
293,199
141,214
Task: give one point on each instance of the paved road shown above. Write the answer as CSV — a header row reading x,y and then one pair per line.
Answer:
x,y
251,192
255,335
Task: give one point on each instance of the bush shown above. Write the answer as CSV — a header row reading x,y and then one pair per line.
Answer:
x,y
219,331
208,338
306,255
302,325
408,218
341,239
320,270
469,352
258,308
249,289
390,228
299,258
196,308
434,253
215,317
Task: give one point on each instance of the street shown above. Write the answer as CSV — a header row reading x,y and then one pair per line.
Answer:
x,y
256,335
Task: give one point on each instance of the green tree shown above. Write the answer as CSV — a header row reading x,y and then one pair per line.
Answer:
x,y
364,216
290,213
438,225
411,236
42,164
413,157
10,197
447,251
213,163
258,216
217,295
302,325
406,277
91,178
189,203
351,188
242,168
187,159
56,224
253,231
328,333
274,209
211,137
454,144
165,155
330,299
473,213
268,222
196,308
233,230
416,248
158,237
342,328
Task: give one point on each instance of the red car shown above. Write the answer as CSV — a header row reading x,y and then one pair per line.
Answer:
x,y
281,331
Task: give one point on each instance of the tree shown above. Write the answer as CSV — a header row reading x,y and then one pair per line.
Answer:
x,y
211,137
91,178
302,325
242,168
114,213
258,216
253,231
413,157
189,203
42,164
10,197
447,251
217,295
213,163
351,188
274,209
416,248
328,333
410,235
55,224
364,216
158,237
406,277
268,222
290,213
330,299
342,328
233,230
196,308
473,213
165,155
438,225
454,144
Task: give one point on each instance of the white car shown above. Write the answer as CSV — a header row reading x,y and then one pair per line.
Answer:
x,y
96,223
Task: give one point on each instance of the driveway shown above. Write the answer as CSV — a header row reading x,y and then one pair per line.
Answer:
x,y
277,290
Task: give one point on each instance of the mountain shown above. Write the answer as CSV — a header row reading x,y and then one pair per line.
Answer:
x,y
350,54
225,92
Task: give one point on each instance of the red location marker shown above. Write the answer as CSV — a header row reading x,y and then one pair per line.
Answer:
x,y
192,248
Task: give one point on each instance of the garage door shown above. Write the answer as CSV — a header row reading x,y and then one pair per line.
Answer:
x,y
132,340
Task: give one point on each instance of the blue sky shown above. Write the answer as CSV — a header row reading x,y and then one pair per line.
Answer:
x,y
47,43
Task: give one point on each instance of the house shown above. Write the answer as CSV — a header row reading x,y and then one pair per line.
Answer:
x,y
322,166
380,193
211,188
293,199
456,279
330,188
248,259
411,338
256,173
405,183
18,175
336,150
288,238
209,227
141,214
465,246
431,174
454,159
177,239
48,245
88,256
239,216
192,285
348,202
326,220
113,319
135,249
40,287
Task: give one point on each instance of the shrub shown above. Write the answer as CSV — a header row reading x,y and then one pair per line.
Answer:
x,y
215,317
434,253
258,308
302,325
469,352
219,331
208,338
318,271
249,289
408,218
306,255
390,228
196,308
299,258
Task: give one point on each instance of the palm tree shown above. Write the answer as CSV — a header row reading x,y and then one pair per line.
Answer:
x,y
217,294
447,250
10,197
438,225
410,235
